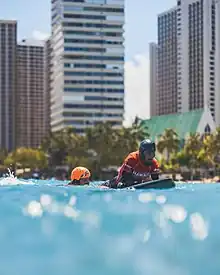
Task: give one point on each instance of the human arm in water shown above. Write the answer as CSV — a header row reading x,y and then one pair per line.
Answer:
x,y
124,176
127,180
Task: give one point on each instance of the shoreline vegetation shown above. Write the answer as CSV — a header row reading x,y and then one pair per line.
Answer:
x,y
102,150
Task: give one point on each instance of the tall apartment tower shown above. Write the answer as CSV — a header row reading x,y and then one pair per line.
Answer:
x,y
88,63
189,58
199,56
164,65
8,41
30,95
47,84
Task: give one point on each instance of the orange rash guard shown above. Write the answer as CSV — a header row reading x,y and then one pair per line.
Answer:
x,y
133,171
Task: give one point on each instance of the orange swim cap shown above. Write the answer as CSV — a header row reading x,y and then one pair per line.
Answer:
x,y
80,173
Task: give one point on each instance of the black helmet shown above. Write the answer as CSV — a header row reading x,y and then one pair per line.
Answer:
x,y
146,145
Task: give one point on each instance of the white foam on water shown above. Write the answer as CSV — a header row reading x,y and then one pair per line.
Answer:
x,y
14,181
146,197
176,213
47,204
10,179
162,222
55,208
72,200
169,212
91,219
34,209
45,200
69,212
198,226
161,199
147,234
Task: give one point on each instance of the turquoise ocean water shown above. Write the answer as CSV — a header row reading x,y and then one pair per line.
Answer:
x,y
53,230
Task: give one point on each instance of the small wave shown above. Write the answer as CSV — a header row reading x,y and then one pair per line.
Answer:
x,y
10,179
14,181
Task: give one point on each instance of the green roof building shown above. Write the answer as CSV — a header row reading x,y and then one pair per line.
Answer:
x,y
197,121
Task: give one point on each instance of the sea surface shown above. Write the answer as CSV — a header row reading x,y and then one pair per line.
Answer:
x,y
48,228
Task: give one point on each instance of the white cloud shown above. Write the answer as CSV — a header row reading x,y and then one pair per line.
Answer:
x,y
38,35
137,88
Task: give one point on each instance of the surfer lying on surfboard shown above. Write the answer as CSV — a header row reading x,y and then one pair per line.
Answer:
x,y
139,166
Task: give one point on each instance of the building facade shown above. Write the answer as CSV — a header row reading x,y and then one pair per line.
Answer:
x,y
198,56
30,95
167,63
47,84
88,63
8,42
189,58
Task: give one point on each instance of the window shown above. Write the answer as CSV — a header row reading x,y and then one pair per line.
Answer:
x,y
72,8
96,1
90,57
93,106
85,16
93,90
102,74
207,129
96,82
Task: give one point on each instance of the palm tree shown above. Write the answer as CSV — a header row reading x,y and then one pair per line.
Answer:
x,y
3,155
193,152
217,146
140,129
193,145
78,151
58,145
27,158
211,149
169,142
100,141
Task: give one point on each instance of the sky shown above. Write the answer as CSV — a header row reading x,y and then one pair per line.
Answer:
x,y
140,30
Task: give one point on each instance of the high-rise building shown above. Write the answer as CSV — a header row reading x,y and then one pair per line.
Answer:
x,y
166,93
198,55
47,84
189,58
216,100
30,94
8,37
88,63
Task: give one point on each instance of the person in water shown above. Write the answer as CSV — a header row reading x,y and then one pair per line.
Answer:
x,y
80,176
139,166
